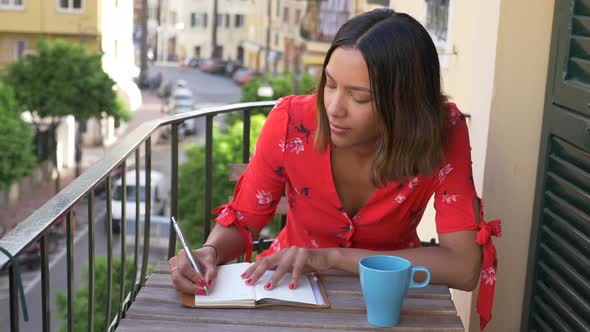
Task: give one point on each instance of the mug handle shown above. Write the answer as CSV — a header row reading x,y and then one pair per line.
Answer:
x,y
425,283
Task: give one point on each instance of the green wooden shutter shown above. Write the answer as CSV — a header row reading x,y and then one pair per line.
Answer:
x,y
558,281
573,59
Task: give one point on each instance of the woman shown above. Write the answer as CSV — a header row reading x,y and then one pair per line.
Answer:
x,y
359,161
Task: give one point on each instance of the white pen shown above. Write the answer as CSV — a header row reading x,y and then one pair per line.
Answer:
x,y
188,252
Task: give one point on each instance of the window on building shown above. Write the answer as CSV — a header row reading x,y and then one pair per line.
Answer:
x,y
219,20
193,20
276,41
70,5
297,16
278,9
205,16
286,14
20,46
239,21
227,20
11,4
437,19
383,3
172,18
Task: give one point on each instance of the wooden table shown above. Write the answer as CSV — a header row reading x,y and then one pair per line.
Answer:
x,y
157,308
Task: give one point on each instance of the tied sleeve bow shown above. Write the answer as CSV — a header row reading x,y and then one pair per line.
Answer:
x,y
485,299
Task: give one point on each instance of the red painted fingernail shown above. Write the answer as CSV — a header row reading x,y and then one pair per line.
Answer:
x,y
267,286
249,281
202,283
243,275
201,292
291,286
210,283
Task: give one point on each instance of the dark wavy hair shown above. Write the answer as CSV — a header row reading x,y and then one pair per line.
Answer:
x,y
405,81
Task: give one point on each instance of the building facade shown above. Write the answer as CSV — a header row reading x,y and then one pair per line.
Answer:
x,y
99,25
187,29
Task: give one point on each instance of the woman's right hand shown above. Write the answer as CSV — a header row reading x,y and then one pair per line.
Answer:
x,y
185,278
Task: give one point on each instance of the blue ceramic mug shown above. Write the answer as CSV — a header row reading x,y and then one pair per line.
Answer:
x,y
385,281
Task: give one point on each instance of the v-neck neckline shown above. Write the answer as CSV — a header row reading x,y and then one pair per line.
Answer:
x,y
337,195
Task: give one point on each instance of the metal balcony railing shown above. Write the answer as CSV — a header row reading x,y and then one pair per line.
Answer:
x,y
37,226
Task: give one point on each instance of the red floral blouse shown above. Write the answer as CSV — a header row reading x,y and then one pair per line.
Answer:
x,y
284,161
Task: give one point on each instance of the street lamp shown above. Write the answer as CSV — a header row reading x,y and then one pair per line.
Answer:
x,y
265,90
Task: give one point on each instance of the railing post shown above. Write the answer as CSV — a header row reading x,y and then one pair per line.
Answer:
x,y
137,213
148,209
91,250
246,138
173,190
70,269
13,286
123,229
45,292
109,253
208,174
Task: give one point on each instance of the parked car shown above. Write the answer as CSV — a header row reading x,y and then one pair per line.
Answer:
x,y
159,231
159,197
231,67
213,66
244,75
181,101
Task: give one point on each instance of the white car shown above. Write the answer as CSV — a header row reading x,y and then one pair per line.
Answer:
x,y
181,101
159,197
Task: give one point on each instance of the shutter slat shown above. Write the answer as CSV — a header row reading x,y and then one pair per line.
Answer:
x,y
576,238
567,271
568,191
582,8
566,292
578,70
571,153
565,250
569,172
577,218
581,25
580,47
562,308
554,318
541,325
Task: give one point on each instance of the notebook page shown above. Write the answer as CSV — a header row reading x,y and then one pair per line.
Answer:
x,y
228,286
302,294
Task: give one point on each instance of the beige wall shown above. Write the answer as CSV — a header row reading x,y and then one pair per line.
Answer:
x,y
513,145
44,17
496,71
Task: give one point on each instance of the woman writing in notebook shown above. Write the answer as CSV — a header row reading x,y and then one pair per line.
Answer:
x,y
359,161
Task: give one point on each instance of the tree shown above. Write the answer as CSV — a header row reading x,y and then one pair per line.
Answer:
x,y
80,300
16,148
63,79
227,149
282,85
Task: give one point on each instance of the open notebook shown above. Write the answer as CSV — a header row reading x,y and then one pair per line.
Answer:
x,y
230,291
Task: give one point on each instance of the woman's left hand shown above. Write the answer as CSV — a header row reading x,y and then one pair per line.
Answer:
x,y
296,260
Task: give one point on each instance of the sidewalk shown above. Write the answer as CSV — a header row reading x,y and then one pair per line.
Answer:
x,y
9,218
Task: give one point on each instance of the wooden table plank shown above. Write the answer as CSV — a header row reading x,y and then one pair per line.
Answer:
x,y
318,319
157,307
148,325
341,303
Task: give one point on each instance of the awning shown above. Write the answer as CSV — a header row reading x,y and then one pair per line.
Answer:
x,y
317,60
251,46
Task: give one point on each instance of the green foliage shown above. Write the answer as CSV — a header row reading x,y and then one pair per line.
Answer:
x,y
282,85
16,145
227,149
63,79
100,294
